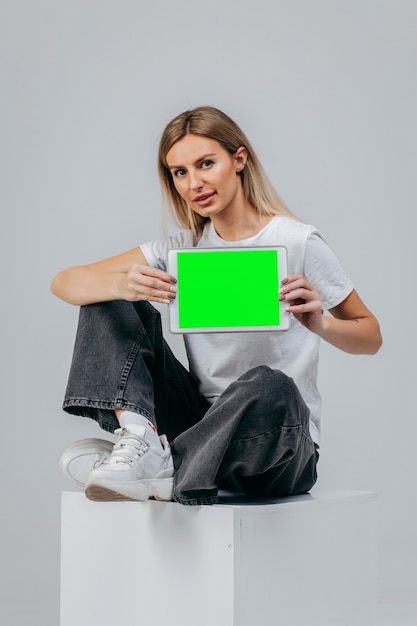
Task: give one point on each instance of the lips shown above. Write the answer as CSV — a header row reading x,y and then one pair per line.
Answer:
x,y
204,198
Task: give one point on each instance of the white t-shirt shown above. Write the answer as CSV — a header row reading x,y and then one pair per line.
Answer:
x,y
217,359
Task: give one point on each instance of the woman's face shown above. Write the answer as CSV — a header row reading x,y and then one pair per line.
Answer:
x,y
206,176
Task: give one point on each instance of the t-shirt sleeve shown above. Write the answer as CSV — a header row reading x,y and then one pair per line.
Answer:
x,y
156,251
325,272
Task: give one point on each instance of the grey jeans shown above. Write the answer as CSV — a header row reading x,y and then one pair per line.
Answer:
x,y
253,439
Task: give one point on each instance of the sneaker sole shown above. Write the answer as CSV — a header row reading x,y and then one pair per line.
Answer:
x,y
157,489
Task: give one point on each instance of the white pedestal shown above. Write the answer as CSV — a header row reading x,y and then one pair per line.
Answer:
x,y
302,561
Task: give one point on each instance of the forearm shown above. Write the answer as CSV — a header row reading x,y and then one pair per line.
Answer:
x,y
82,285
355,336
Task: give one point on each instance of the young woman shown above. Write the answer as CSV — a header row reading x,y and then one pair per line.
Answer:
x,y
246,416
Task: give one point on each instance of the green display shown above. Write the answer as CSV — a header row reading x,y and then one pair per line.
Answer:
x,y
220,289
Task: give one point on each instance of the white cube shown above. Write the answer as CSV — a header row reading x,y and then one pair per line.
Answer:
x,y
302,561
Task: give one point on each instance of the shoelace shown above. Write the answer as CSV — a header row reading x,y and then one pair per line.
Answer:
x,y
101,461
128,448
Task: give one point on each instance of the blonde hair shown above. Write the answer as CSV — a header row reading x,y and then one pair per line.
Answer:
x,y
214,124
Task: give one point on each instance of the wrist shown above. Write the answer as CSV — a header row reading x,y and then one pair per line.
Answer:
x,y
118,286
323,325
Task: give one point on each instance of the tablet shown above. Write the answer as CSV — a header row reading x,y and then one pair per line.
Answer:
x,y
227,289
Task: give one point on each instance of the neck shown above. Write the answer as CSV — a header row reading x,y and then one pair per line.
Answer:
x,y
242,226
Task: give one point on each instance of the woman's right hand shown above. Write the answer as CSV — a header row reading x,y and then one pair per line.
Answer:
x,y
126,276
143,282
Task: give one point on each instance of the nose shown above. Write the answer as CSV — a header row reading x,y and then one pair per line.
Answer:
x,y
195,180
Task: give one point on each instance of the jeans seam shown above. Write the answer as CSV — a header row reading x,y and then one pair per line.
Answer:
x,y
267,432
196,501
127,368
110,405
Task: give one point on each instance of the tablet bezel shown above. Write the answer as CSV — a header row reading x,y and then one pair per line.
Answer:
x,y
172,268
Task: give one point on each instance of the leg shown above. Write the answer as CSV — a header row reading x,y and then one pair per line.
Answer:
x,y
254,438
121,361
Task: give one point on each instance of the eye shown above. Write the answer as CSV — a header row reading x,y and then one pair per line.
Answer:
x,y
179,173
206,163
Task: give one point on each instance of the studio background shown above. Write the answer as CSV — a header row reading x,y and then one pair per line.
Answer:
x,y
326,91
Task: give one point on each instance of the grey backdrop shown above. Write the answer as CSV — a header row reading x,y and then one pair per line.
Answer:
x,y
327,92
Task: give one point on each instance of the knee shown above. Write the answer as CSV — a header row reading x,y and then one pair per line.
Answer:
x,y
116,314
275,394
108,309
270,381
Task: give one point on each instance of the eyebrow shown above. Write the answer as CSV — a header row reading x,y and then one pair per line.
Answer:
x,y
199,160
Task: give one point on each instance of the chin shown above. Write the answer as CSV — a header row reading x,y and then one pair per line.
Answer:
x,y
207,213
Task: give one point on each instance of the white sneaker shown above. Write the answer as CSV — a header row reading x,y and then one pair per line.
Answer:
x,y
136,469
80,458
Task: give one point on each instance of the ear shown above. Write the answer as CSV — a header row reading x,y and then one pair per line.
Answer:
x,y
240,157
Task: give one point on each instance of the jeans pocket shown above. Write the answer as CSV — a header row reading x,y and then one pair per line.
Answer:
x,y
257,454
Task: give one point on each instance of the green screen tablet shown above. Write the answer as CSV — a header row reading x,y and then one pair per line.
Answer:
x,y
227,289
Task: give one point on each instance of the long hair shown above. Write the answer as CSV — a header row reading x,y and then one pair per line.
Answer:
x,y
214,124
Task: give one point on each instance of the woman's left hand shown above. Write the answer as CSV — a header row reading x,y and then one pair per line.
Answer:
x,y
350,326
303,301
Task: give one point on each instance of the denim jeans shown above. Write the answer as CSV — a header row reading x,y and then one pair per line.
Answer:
x,y
254,438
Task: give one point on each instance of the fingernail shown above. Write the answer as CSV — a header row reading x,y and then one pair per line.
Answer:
x,y
284,281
